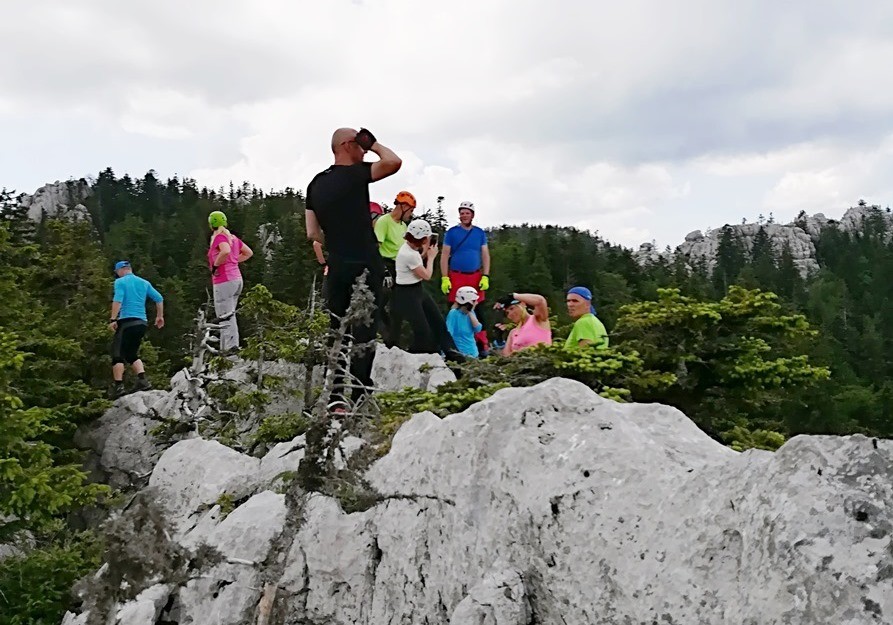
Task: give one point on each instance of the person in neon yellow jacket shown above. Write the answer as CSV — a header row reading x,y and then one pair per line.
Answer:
x,y
588,329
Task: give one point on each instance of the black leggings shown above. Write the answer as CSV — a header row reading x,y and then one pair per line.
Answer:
x,y
429,332
126,344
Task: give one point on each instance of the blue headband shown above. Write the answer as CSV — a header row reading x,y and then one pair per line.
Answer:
x,y
585,293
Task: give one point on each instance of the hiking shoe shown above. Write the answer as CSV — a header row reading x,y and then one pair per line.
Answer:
x,y
142,384
117,391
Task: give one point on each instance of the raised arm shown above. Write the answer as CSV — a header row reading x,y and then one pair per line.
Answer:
x,y
537,302
426,269
387,164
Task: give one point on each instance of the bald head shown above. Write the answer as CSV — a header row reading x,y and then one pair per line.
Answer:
x,y
340,136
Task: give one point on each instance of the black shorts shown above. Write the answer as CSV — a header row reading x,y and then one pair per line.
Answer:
x,y
126,344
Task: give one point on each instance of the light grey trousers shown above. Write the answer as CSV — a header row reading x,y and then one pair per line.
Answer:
x,y
226,298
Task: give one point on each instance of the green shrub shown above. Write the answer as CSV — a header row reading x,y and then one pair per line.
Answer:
x,y
35,588
281,428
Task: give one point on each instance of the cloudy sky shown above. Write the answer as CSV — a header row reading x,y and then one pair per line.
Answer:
x,y
640,119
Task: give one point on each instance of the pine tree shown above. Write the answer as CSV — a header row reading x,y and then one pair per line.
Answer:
x,y
729,260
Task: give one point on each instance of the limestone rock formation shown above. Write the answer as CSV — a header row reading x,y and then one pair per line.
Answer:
x,y
799,237
699,246
122,438
547,505
393,369
269,237
63,200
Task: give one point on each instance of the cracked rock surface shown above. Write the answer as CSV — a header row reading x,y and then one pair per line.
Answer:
x,y
545,505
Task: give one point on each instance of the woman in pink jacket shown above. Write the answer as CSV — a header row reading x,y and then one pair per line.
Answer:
x,y
224,255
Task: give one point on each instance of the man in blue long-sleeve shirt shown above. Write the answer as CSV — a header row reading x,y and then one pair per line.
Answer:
x,y
128,321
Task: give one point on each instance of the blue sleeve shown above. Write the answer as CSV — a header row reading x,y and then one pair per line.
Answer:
x,y
477,328
154,295
119,292
450,237
451,322
483,237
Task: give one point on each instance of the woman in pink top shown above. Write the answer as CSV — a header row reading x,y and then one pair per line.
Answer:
x,y
224,255
530,329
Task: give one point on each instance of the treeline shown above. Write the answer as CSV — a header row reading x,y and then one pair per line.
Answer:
x,y
161,227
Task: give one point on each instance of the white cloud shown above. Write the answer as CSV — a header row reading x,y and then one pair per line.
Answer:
x,y
639,119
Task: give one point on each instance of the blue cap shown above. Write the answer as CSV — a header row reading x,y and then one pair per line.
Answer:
x,y
121,264
585,293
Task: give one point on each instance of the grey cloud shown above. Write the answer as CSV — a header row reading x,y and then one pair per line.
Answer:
x,y
111,47
702,103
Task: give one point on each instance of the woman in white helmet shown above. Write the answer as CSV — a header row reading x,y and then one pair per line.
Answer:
x,y
414,264
462,322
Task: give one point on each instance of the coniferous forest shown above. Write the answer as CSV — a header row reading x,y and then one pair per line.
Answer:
x,y
756,353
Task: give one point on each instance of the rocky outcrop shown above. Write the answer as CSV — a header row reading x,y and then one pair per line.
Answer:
x,y
545,505
799,237
269,237
59,200
393,370
698,246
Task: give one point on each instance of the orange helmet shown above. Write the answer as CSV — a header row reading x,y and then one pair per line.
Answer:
x,y
405,197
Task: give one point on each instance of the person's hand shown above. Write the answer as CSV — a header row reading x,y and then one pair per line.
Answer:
x,y
501,326
365,139
113,326
159,322
484,283
445,285
431,252
388,282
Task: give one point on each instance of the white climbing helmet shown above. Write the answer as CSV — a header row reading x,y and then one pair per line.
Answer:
x,y
466,295
419,229
468,205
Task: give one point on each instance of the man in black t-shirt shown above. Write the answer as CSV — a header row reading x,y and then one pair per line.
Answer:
x,y
338,215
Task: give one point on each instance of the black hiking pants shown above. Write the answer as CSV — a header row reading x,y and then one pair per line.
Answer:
x,y
429,332
339,290
126,343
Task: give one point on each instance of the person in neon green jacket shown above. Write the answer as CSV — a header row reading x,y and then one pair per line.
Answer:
x,y
588,329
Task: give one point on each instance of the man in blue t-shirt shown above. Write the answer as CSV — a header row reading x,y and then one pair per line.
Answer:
x,y
465,261
128,321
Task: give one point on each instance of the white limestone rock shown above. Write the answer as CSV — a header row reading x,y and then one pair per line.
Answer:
x,y
146,608
394,369
546,505
269,237
249,530
58,200
606,512
70,618
706,247
192,475
500,599
122,439
229,592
